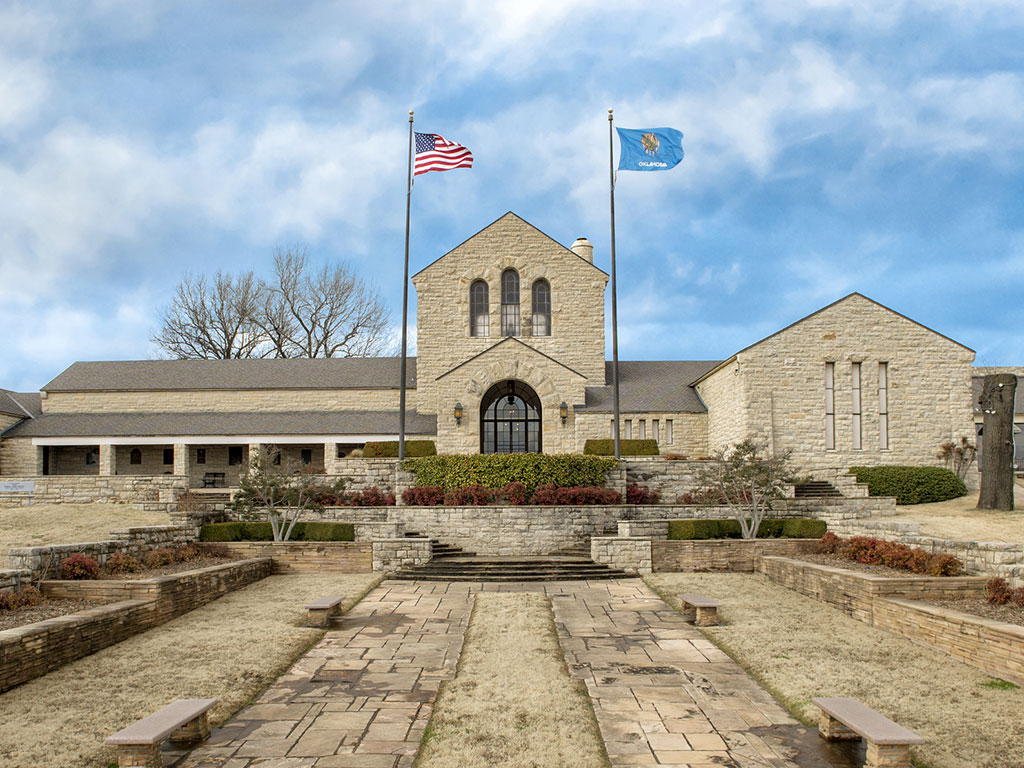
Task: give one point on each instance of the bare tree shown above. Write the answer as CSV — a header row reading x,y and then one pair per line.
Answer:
x,y
329,313
268,491
296,314
746,481
958,456
212,319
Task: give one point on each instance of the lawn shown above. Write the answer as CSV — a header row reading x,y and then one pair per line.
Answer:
x,y
512,702
230,649
958,519
799,648
40,524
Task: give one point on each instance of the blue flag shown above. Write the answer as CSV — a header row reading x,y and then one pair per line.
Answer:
x,y
649,149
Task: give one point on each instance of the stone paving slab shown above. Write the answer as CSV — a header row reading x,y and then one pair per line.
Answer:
x,y
663,694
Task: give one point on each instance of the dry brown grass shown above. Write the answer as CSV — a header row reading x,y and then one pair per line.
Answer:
x,y
40,524
958,519
230,649
512,702
801,648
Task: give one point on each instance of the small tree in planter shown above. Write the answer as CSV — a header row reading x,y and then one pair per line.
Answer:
x,y
267,491
746,481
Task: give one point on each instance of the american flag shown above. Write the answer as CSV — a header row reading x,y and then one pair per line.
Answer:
x,y
436,153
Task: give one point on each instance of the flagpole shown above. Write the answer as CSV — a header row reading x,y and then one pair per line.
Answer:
x,y
615,316
405,304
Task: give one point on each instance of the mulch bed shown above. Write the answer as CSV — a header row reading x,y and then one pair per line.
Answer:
x,y
148,573
836,561
48,609
1007,614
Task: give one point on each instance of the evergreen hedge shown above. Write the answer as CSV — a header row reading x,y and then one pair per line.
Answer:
x,y
798,528
498,470
389,448
261,531
911,485
605,447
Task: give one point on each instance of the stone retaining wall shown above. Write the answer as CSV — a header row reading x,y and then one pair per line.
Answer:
x,y
33,650
309,556
628,553
156,493
13,579
980,558
856,593
990,646
722,554
394,554
44,561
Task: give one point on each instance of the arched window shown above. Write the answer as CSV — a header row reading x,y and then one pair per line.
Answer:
x,y
479,309
541,308
510,419
509,303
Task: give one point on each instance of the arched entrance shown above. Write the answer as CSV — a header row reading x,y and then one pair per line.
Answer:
x,y
510,419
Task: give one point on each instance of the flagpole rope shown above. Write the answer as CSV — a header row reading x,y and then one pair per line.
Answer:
x,y
405,305
615,315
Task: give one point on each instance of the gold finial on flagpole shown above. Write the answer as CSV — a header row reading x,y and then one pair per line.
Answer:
x,y
410,115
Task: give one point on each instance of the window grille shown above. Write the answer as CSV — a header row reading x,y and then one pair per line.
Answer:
x,y
541,308
510,303
883,406
830,406
855,381
479,309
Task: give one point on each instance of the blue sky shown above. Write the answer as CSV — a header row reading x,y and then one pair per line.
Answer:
x,y
830,147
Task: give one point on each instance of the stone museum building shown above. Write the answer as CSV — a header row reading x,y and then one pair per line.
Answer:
x,y
511,358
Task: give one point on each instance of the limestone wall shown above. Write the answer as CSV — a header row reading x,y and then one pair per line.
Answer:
x,y
723,392
306,557
19,458
689,430
150,493
380,399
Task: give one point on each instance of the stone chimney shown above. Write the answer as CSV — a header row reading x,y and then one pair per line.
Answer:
x,y
584,248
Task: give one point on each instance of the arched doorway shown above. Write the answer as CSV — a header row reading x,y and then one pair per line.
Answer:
x,y
510,419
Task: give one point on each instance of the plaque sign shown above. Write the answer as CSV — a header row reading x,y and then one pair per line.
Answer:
x,y
17,486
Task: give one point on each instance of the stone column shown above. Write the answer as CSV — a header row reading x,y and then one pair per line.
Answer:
x,y
182,459
254,448
38,471
331,458
108,459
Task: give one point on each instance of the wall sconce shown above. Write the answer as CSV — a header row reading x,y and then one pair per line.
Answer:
x,y
563,411
458,414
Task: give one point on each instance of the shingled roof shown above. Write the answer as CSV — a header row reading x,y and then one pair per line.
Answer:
x,y
213,423
651,386
21,404
152,375
977,382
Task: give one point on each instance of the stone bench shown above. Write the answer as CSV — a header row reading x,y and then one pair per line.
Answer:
x,y
183,722
320,611
888,742
213,480
706,609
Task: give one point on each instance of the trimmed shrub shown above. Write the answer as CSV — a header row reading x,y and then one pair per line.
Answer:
x,y
686,530
78,566
803,528
389,449
327,531
423,496
120,562
730,529
514,494
470,496
911,485
606,447
640,494
158,558
22,598
498,470
221,532
550,495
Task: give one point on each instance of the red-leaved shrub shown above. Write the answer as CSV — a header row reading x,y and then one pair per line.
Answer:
x,y
999,592
640,494
580,495
372,497
871,551
78,566
514,494
158,558
22,598
186,553
423,496
214,550
121,562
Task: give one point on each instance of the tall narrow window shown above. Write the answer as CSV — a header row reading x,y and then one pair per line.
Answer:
x,y
628,430
855,381
883,406
509,303
135,457
830,406
668,431
655,431
541,308
168,455
643,429
479,309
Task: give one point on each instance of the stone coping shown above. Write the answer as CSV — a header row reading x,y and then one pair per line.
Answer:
x,y
877,579
163,578
85,616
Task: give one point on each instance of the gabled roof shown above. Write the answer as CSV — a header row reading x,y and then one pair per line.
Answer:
x,y
24,405
510,216
651,386
222,423
152,375
977,382
818,312
509,340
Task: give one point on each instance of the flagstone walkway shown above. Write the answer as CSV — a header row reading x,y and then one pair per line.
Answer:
x,y
663,694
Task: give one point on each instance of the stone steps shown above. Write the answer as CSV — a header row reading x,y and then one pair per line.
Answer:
x,y
551,568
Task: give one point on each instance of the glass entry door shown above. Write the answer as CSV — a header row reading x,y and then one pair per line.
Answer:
x,y
510,419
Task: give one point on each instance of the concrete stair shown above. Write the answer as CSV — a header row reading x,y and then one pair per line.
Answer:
x,y
541,568
816,489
